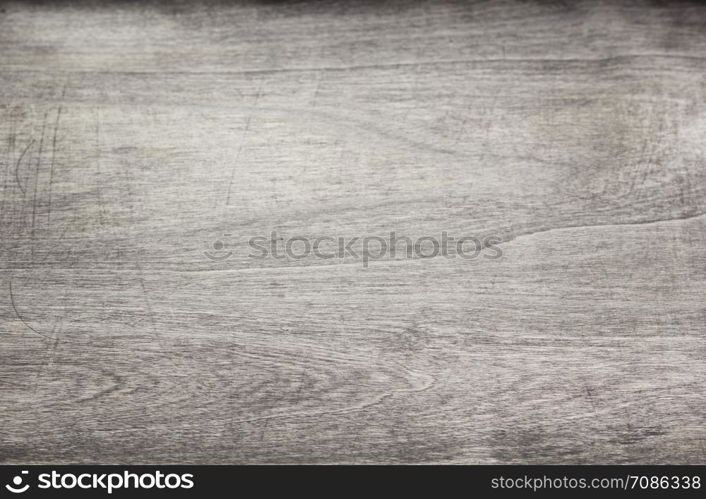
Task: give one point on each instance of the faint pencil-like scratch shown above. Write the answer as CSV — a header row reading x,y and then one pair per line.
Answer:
x,y
118,381
101,207
52,353
242,142
10,154
17,166
235,160
53,155
150,310
138,265
36,176
14,307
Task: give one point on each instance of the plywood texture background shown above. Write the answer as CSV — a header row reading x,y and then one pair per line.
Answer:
x,y
134,135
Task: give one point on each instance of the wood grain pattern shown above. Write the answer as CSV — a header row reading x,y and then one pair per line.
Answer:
x,y
134,135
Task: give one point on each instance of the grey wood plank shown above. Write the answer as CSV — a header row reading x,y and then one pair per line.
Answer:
x,y
133,137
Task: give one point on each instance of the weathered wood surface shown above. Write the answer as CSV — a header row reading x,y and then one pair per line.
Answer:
x,y
134,135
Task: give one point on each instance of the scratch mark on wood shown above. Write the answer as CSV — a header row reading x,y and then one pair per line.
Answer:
x,y
99,180
17,166
53,156
19,316
36,177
